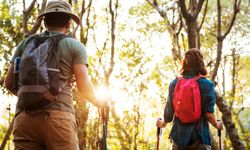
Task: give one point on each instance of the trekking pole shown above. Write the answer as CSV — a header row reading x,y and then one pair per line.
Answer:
x,y
104,126
158,134
219,138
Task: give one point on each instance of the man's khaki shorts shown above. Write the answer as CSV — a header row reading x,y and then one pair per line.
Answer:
x,y
50,130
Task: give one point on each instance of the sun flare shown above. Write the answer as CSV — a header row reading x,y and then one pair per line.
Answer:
x,y
118,97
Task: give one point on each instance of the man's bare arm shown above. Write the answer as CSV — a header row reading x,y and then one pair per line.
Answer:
x,y
84,85
8,83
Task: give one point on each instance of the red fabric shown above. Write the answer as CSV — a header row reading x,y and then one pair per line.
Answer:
x,y
187,100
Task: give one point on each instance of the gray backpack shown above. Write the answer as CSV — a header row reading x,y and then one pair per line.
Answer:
x,y
38,80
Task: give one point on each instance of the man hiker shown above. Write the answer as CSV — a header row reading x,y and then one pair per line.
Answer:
x,y
190,128
45,117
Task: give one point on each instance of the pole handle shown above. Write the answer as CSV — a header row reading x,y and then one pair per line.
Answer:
x,y
159,130
219,138
219,131
158,138
103,113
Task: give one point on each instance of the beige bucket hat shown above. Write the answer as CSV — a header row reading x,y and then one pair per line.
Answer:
x,y
61,7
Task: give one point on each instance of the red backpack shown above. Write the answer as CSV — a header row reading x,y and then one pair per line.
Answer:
x,y
187,100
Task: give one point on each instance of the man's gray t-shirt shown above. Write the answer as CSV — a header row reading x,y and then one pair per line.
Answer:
x,y
71,51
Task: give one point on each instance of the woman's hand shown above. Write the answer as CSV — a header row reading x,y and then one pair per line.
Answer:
x,y
160,123
219,125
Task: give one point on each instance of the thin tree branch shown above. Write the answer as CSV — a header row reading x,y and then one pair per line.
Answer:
x,y
198,9
104,47
80,17
161,12
180,27
219,44
28,10
163,15
113,25
24,23
83,10
87,21
43,7
116,7
38,22
173,17
184,10
219,20
26,13
186,14
235,12
204,16
221,37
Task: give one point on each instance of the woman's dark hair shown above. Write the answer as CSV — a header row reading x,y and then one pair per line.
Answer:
x,y
56,19
193,63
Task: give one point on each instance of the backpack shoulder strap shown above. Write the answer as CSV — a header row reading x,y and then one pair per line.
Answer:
x,y
198,77
53,59
38,39
56,39
31,37
59,37
179,78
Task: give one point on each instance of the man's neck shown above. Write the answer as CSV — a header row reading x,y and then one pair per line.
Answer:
x,y
57,29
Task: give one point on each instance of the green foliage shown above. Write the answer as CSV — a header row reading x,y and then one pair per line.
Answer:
x,y
10,33
143,9
146,19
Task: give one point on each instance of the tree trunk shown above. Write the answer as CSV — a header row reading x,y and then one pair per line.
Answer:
x,y
192,34
228,123
192,26
218,59
191,21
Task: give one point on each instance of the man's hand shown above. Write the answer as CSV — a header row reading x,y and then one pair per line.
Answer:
x,y
102,104
160,123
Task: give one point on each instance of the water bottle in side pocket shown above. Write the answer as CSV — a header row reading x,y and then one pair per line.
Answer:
x,y
16,72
